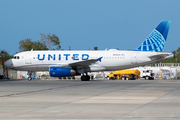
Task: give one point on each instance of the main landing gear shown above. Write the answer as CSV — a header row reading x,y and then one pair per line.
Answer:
x,y
85,77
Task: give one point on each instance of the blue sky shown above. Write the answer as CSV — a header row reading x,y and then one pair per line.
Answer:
x,y
84,24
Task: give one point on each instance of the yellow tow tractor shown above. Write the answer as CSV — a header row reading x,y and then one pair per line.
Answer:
x,y
124,75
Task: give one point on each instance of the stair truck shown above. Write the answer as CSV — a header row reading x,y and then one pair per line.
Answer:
x,y
124,75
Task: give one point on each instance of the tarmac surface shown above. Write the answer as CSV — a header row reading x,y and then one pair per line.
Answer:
x,y
97,99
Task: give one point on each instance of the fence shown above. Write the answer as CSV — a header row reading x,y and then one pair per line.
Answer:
x,y
164,70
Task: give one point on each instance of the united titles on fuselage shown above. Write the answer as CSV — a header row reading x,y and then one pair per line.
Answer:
x,y
59,56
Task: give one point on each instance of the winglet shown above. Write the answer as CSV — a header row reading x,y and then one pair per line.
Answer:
x,y
99,59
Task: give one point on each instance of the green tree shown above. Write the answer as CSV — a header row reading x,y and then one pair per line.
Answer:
x,y
174,52
178,55
95,48
28,44
176,59
50,41
47,42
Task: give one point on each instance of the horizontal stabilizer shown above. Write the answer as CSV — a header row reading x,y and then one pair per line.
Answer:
x,y
159,56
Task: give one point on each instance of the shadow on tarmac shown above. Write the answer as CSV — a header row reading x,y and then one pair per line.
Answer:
x,y
5,80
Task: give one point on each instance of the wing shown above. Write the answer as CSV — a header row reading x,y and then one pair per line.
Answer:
x,y
80,64
84,63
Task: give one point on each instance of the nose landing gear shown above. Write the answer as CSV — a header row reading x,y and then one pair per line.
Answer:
x,y
29,76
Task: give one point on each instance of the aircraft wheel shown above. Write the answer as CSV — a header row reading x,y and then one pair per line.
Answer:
x,y
147,78
111,78
83,78
127,78
107,78
29,78
88,77
122,78
73,77
151,78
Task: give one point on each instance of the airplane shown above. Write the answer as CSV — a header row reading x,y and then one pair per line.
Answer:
x,y
71,63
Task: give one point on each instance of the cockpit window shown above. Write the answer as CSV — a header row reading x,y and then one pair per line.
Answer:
x,y
15,57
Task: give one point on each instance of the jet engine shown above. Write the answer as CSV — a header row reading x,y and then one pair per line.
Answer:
x,y
61,72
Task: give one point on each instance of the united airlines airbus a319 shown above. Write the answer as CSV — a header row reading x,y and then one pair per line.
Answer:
x,y
71,63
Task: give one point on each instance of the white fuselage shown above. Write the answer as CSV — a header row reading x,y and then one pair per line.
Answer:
x,y
111,60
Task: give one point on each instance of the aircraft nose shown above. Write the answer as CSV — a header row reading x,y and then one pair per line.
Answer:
x,y
8,63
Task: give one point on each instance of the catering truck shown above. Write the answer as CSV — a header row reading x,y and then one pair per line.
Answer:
x,y
124,75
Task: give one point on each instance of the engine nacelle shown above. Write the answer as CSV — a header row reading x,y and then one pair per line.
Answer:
x,y
61,72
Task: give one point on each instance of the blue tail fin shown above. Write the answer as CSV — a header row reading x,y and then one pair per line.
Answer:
x,y
157,39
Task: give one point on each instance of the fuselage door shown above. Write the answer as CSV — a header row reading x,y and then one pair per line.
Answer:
x,y
133,58
28,59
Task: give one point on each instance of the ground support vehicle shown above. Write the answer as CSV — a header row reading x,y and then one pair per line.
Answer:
x,y
124,75
148,75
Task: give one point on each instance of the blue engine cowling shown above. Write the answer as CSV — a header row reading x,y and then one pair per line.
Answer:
x,y
61,72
